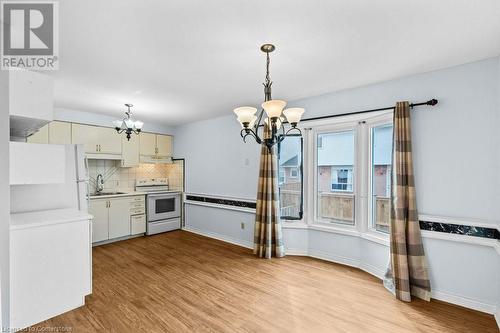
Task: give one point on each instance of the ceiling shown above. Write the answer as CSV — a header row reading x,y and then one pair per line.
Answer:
x,y
183,60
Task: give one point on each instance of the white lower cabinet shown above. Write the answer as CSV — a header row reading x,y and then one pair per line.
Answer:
x,y
117,217
99,209
138,224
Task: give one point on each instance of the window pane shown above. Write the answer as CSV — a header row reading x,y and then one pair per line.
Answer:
x,y
335,177
381,177
290,177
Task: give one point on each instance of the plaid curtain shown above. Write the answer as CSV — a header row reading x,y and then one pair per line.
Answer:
x,y
408,264
268,237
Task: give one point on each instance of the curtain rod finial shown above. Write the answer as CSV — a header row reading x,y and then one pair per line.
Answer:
x,y
432,102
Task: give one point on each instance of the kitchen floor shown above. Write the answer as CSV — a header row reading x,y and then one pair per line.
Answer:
x,y
182,282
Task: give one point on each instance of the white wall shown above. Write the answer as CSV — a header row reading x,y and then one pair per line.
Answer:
x,y
90,118
4,200
453,142
217,160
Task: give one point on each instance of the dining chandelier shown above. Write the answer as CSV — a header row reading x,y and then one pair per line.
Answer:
x,y
128,125
275,113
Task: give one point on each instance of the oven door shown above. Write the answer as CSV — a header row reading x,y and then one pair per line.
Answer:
x,y
163,206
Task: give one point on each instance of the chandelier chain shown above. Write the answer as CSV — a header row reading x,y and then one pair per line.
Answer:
x,y
267,69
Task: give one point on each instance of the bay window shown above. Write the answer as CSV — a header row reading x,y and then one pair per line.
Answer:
x,y
345,170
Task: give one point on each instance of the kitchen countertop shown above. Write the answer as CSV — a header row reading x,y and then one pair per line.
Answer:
x,y
129,193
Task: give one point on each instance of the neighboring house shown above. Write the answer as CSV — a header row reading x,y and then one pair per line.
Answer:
x,y
290,171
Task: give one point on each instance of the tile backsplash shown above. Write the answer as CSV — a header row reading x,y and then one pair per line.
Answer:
x,y
119,178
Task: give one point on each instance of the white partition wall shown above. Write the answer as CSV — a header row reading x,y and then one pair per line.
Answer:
x,y
4,200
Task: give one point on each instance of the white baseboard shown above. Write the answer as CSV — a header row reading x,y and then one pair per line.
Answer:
x,y
333,258
296,252
465,302
235,241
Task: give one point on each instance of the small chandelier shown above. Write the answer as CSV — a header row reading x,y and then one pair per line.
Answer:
x,y
274,111
127,125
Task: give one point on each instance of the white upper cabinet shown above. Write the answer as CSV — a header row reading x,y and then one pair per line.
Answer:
x,y
130,151
86,135
60,133
148,144
164,145
97,140
155,148
109,141
40,136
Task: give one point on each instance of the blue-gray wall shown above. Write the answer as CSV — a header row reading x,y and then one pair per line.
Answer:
x,y
456,164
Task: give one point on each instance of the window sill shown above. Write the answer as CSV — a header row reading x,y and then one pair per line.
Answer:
x,y
347,230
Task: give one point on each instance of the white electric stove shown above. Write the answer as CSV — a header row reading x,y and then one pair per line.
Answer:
x,y
163,207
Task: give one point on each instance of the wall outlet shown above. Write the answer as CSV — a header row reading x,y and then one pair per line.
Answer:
x,y
242,225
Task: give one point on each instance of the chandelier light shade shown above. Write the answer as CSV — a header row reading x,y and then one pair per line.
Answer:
x,y
274,111
245,114
293,115
273,108
128,125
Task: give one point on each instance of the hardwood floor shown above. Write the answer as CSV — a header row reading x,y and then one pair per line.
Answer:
x,y
182,282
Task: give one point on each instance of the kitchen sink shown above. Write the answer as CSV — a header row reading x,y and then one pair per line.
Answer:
x,y
106,193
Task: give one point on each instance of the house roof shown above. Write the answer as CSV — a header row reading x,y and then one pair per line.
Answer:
x,y
292,162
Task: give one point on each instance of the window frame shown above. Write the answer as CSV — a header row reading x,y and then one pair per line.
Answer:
x,y
360,229
333,127
371,125
301,172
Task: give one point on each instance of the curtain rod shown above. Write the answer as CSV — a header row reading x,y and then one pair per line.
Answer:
x,y
430,102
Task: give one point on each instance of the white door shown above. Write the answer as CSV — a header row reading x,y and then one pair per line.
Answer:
x,y
138,224
110,142
119,217
148,144
164,145
99,209
60,133
130,151
86,135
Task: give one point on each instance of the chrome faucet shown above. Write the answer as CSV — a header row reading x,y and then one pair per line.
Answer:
x,y
99,183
